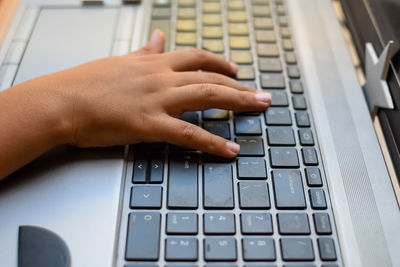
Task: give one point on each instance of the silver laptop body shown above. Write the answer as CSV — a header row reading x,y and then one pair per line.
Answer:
x,y
83,195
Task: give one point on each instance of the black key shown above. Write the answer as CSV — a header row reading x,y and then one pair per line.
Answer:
x,y
247,113
182,223
220,249
218,188
245,72
148,197
280,136
313,176
148,148
182,182
302,119
251,168
283,21
254,195
161,13
181,249
296,87
250,146
161,3
249,84
299,102
326,248
329,265
258,249
218,128
175,148
293,224
309,156
139,171
317,199
143,239
181,265
263,23
306,137
272,81
220,265
288,189
281,8
285,32
265,36
156,168
215,114
270,64
284,157
290,58
267,50
279,98
322,224
256,223
219,224
297,249
278,116
191,117
246,125
293,72
287,45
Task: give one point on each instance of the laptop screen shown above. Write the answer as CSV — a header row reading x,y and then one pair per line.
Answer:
x,y
377,21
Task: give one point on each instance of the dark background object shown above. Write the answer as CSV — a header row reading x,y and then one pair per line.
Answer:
x,y
378,22
40,247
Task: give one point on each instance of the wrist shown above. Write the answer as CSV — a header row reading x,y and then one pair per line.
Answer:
x,y
50,116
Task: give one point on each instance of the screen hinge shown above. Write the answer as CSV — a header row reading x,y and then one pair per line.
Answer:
x,y
376,88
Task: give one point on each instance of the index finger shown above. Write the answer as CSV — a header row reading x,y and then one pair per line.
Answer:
x,y
195,59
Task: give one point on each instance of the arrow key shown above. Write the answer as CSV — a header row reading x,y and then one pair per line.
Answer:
x,y
156,168
149,197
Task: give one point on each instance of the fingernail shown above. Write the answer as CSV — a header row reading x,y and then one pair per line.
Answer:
x,y
155,37
233,147
234,66
263,97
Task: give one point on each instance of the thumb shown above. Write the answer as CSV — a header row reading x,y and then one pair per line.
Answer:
x,y
156,42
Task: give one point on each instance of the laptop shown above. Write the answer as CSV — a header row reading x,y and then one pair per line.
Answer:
x,y
314,184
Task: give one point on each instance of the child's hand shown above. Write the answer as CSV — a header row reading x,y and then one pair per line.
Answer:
x,y
139,97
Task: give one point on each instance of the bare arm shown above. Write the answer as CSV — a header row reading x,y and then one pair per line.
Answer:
x,y
121,100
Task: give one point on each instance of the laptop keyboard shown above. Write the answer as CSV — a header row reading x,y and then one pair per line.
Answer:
x,y
268,207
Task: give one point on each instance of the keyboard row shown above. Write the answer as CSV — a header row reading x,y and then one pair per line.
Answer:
x,y
149,168
249,123
251,223
143,243
218,189
252,195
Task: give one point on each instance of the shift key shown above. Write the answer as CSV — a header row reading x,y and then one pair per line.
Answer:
x,y
288,189
218,188
143,240
182,181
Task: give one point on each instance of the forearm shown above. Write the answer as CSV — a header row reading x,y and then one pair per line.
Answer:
x,y
31,123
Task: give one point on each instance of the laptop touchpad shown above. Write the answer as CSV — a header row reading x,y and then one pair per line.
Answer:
x,y
64,38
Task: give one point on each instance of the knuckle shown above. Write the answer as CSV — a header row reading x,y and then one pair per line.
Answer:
x,y
198,54
207,90
212,143
188,132
215,78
